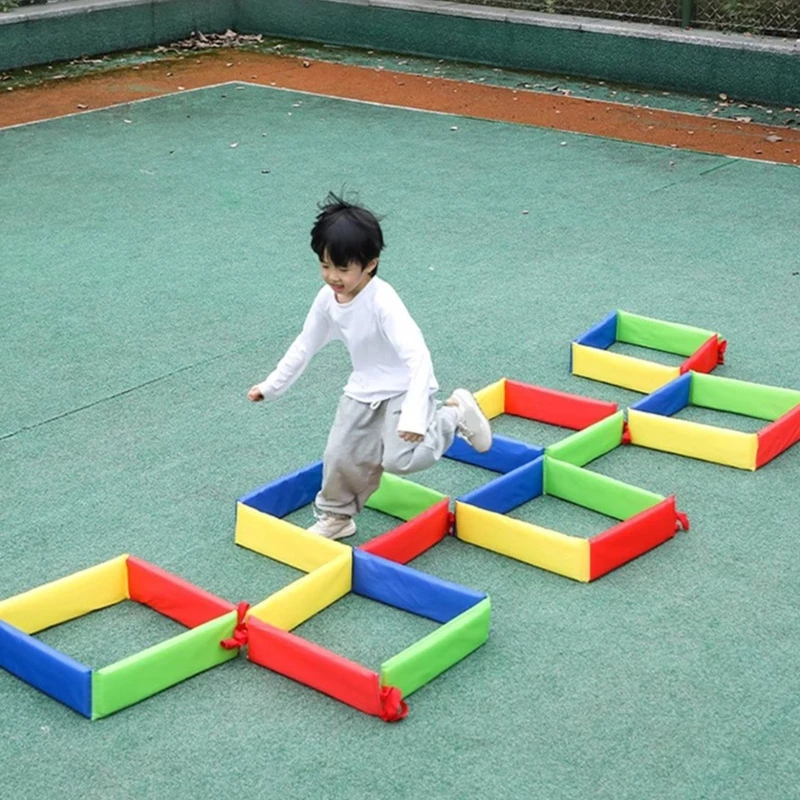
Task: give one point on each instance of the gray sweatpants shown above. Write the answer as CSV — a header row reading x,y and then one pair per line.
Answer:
x,y
364,443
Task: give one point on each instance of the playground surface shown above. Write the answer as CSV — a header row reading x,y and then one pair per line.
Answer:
x,y
156,265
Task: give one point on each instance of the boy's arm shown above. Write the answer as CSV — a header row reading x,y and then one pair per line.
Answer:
x,y
407,339
315,335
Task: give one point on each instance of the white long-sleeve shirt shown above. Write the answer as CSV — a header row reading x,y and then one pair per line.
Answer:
x,y
386,347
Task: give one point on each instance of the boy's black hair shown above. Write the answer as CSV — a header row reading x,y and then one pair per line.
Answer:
x,y
348,232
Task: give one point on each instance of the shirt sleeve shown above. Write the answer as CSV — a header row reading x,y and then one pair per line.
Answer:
x,y
407,339
315,335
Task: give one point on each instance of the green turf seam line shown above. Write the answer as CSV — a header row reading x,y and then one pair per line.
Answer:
x,y
585,446
595,492
438,651
403,499
740,397
670,337
144,674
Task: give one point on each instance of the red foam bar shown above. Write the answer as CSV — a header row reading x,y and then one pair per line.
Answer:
x,y
414,537
631,538
314,666
706,358
555,408
172,596
778,436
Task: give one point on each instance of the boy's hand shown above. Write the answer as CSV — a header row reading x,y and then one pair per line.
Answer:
x,y
255,394
410,437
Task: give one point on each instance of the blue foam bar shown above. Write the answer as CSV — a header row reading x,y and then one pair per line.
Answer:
x,y
410,590
669,399
288,493
504,456
509,491
53,673
602,335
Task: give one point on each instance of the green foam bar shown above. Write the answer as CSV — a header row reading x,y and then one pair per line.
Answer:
x,y
422,662
403,499
595,492
142,675
671,337
740,397
584,446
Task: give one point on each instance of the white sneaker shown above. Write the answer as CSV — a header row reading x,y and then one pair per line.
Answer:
x,y
333,526
473,425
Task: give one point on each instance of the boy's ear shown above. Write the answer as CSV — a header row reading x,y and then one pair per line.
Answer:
x,y
373,265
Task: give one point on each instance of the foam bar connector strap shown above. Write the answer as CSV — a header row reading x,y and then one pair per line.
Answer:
x,y
540,547
282,541
405,588
53,673
406,542
157,668
401,498
301,600
585,446
440,650
67,598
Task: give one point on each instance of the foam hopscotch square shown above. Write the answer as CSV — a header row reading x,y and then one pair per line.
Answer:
x,y
645,519
651,422
591,358
97,693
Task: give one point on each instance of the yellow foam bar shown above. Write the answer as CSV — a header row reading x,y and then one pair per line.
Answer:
x,y
492,399
550,550
69,597
282,541
620,370
299,601
722,446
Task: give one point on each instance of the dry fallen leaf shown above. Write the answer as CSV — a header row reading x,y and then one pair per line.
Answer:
x,y
743,119
772,138
81,105
235,144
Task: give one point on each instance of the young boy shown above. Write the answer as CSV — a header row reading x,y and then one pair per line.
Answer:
x,y
387,418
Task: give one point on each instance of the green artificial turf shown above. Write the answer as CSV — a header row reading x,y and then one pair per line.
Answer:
x,y
152,273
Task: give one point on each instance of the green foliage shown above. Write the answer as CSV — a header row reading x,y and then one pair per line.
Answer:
x,y
8,5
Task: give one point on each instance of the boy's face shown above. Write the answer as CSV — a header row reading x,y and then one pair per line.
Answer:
x,y
348,280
